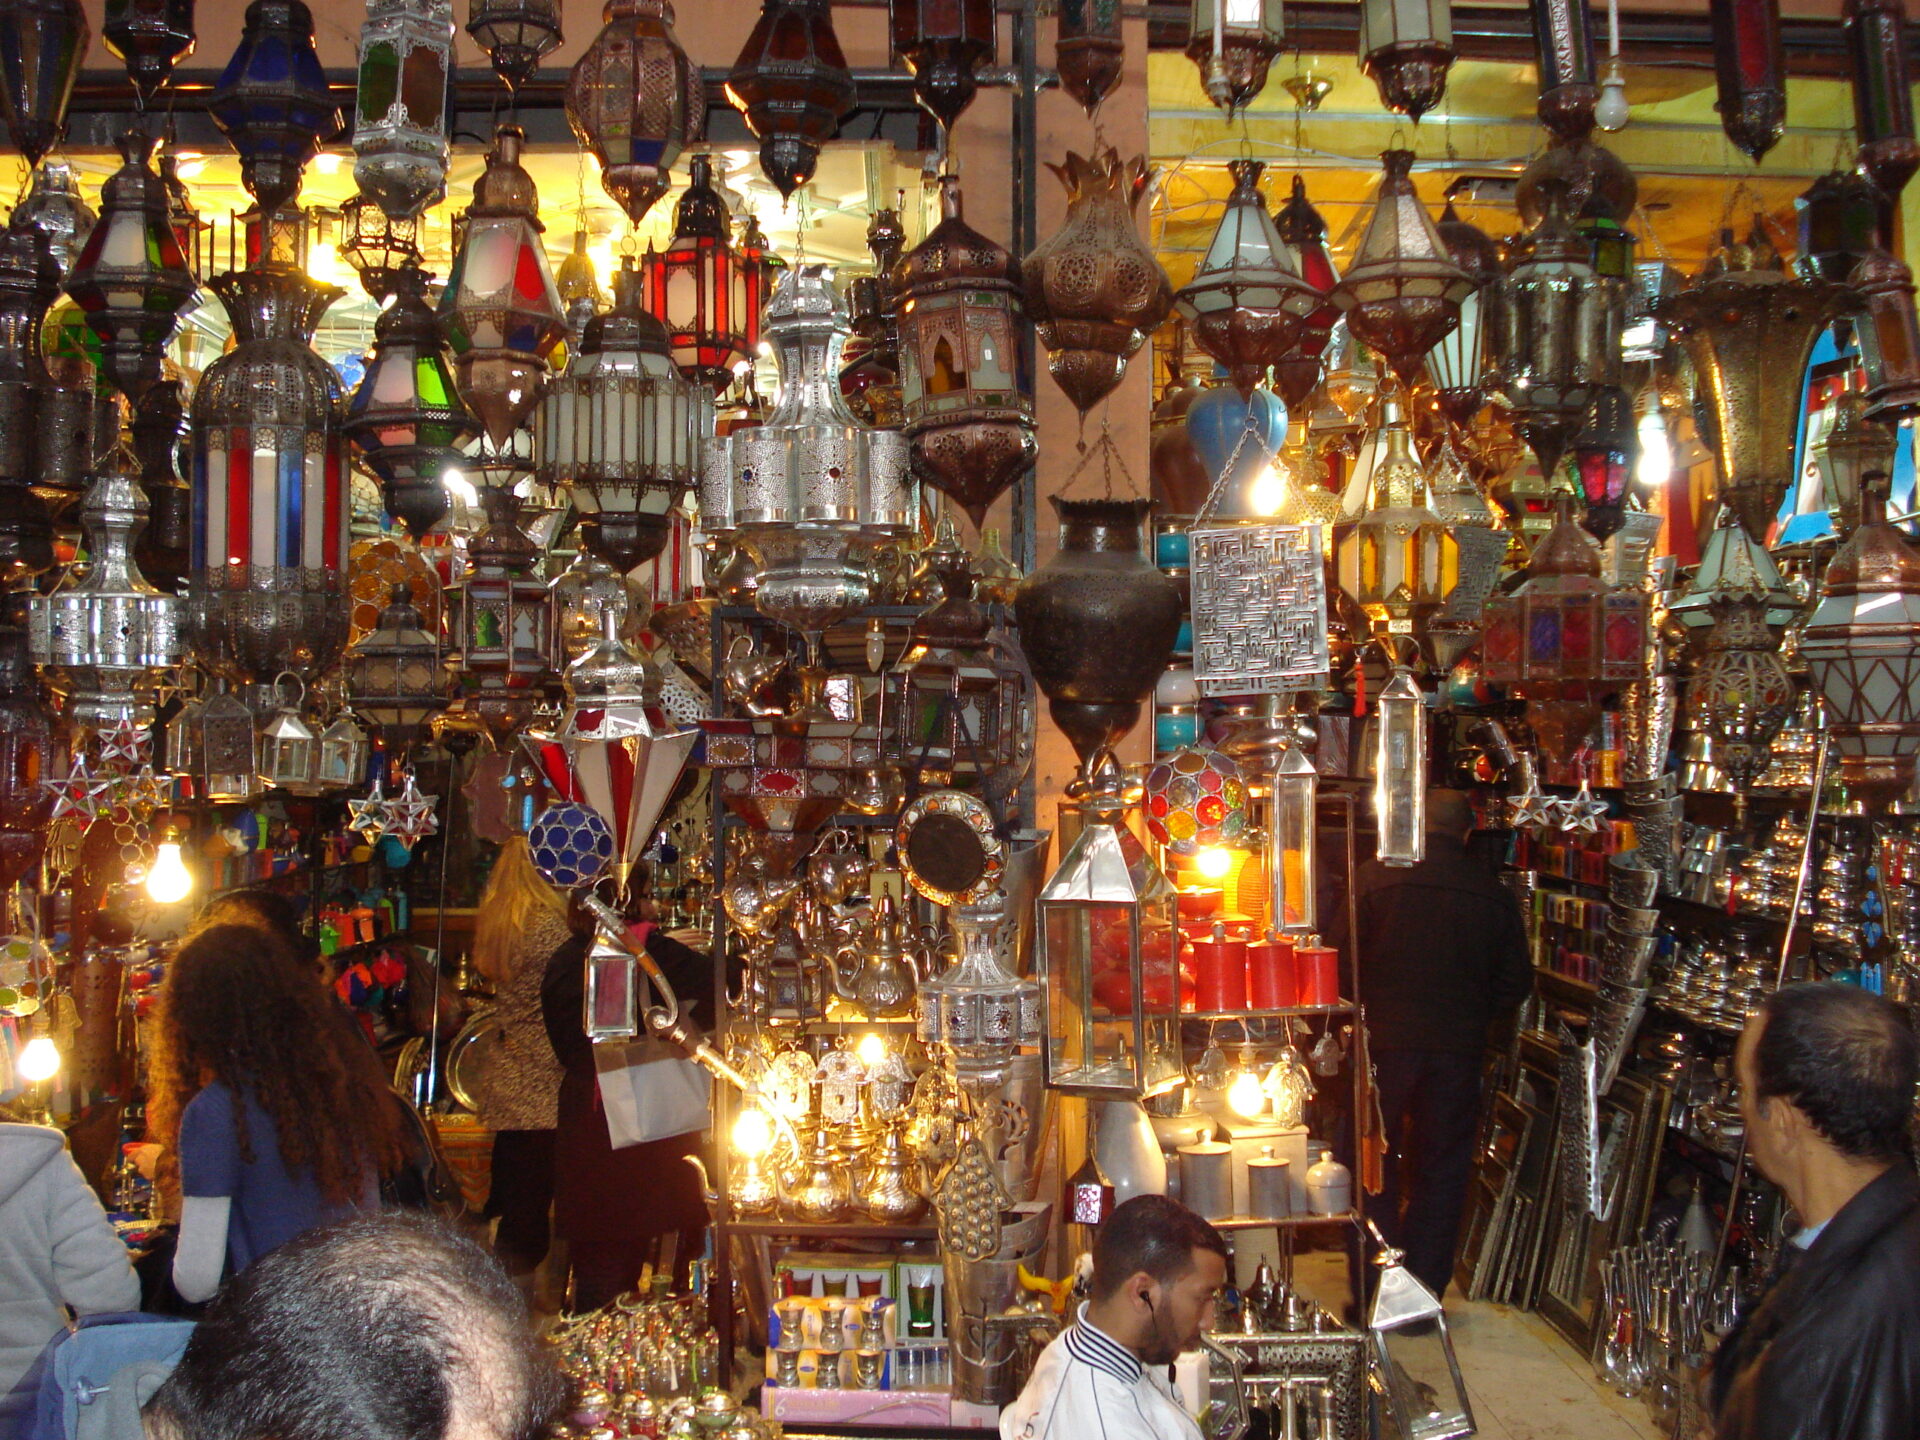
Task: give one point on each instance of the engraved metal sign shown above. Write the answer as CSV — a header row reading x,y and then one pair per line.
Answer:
x,y
1259,609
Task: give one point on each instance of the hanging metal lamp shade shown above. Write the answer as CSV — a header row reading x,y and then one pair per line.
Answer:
x,y
42,47
1750,66
1297,372
792,83
272,101
944,42
150,37
1088,50
1407,47
1457,365
1233,42
516,34
635,100
400,123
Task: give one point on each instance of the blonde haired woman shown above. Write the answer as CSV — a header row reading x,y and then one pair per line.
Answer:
x,y
522,921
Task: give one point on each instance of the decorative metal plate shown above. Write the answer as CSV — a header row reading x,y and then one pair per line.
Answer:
x,y
948,849
1259,609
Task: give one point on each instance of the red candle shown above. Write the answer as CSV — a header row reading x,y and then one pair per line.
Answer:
x,y
1319,970
1220,972
1273,981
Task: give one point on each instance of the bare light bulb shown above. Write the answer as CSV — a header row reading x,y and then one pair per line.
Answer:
x,y
752,1133
1655,465
1245,1096
168,880
40,1061
1268,491
1611,111
871,1049
1213,863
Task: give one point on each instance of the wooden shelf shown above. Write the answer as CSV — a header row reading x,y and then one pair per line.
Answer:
x,y
1566,989
831,1229
1345,1007
1285,1222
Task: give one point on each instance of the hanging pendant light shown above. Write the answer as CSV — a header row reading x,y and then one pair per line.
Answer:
x,y
1398,560
1088,51
1247,301
871,377
944,43
621,430
1889,335
163,444
1233,42
28,750
1407,47
149,37
792,83
1843,217
1401,294
375,246
966,397
272,101
27,282
400,123
1731,562
1750,66
1876,33
1457,365
500,310
579,288
405,416
1604,449
1563,50
1855,447
53,206
130,280
42,48
394,677
516,34
504,622
635,100
696,286
1297,372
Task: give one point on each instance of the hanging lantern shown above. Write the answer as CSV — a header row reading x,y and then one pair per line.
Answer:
x,y
345,753
966,397
106,641
1094,291
578,287
1247,301
1558,343
754,278
636,101
375,246
1401,294
500,309
162,443
695,286
1292,870
27,755
149,37
1843,217
1889,336
393,673
1732,562
272,101
516,34
1563,50
944,43
1603,456
1882,92
1108,970
1088,52
288,748
871,377
400,123
130,280
405,416
270,478
621,431
1862,651
1456,498
504,621
42,48
1400,771
1457,365
1297,372
1749,328
793,85
1750,65
1741,689
1855,449
27,280
53,206
1233,42
1407,47
1397,561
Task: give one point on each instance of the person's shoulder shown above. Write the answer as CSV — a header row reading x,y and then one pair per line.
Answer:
x,y
214,1098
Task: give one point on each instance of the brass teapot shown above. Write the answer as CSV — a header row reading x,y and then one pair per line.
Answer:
x,y
888,977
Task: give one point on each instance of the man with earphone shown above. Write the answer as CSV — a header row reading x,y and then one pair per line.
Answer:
x,y
1157,1270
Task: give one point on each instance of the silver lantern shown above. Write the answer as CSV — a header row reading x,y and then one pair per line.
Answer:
x,y
400,118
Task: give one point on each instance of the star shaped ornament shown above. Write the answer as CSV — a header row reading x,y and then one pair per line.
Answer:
x,y
81,794
410,816
368,818
1533,810
125,746
1584,812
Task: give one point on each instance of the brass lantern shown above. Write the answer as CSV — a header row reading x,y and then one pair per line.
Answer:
x,y
1563,47
1247,301
636,101
792,83
1088,51
694,286
1750,66
1457,365
966,396
944,43
1407,47
505,621
1889,336
394,679
1741,689
1397,561
1401,294
1233,42
516,34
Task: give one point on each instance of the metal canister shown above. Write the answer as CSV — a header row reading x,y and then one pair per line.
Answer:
x,y
1269,1192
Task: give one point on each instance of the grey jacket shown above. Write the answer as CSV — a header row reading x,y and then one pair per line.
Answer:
x,y
57,1251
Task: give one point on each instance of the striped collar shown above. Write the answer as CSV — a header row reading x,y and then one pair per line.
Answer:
x,y
1091,1345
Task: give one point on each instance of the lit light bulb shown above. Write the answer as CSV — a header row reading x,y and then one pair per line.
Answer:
x,y
1245,1096
1268,491
459,486
1655,466
327,162
753,1133
169,881
871,1049
325,265
1213,863
40,1061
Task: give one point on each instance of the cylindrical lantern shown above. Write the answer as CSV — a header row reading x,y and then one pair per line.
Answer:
x,y
1563,45
1882,92
1291,868
693,289
1750,65
1603,455
400,121
1889,336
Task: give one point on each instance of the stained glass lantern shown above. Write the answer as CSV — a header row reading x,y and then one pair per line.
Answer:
x,y
149,37
505,620
1195,799
754,277
1407,47
345,753
405,416
400,125
131,279
1603,456
1882,92
636,101
374,246
693,286
28,747
42,49
1457,365
944,42
1854,448
1088,50
621,430
500,309
1750,67
516,34
1401,294
272,101
967,398
1862,651
792,84
1732,562
1109,971
1298,371
1233,42
1247,301
1397,560
394,679
1889,336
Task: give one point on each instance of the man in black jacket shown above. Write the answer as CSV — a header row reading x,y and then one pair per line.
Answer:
x,y
1831,1350
1443,957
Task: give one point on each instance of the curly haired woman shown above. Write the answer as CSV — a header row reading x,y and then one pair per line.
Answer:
x,y
269,1126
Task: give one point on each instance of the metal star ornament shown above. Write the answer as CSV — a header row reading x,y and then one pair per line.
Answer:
x,y
81,793
125,746
1583,813
1533,810
368,818
409,815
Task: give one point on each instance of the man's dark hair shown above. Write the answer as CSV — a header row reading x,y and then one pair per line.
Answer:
x,y
383,1327
1153,1234
1848,1059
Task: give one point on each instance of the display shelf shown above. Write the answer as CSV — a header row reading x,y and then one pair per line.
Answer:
x,y
1285,1222
1345,1007
1680,905
1565,989
832,1230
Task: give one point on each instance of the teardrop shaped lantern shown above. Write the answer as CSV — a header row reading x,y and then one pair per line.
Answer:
x,y
1247,301
1088,51
1297,372
792,83
1407,47
944,42
1882,92
635,100
150,37
1457,365
42,47
272,101
967,398
516,34
1750,67
400,123
500,309
1401,294
406,417
131,279
697,288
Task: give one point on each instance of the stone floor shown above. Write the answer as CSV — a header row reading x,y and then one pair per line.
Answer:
x,y
1527,1383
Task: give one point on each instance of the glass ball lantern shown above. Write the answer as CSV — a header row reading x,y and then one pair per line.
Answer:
x,y
635,101
272,101
400,125
792,84
516,34
693,286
